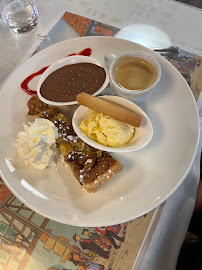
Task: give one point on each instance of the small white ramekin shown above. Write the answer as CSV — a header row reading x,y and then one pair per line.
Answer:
x,y
75,59
112,61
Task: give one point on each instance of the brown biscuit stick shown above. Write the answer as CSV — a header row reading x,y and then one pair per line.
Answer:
x,y
109,108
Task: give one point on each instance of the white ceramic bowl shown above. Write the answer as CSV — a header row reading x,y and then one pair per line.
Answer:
x,y
137,96
75,59
143,134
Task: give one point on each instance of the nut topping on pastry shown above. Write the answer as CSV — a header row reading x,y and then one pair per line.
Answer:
x,y
91,167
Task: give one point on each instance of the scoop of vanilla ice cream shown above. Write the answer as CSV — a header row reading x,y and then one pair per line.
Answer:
x,y
36,144
107,130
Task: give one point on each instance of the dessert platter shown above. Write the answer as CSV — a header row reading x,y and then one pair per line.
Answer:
x,y
61,190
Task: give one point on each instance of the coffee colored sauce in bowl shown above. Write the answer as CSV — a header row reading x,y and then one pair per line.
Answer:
x,y
135,73
64,84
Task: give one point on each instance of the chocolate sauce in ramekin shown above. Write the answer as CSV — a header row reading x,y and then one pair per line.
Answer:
x,y
64,84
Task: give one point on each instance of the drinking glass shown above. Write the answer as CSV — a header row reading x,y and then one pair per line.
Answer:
x,y
20,15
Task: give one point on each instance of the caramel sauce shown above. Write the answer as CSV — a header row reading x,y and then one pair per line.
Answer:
x,y
135,73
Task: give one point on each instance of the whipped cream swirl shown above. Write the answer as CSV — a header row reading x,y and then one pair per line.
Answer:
x,y
36,144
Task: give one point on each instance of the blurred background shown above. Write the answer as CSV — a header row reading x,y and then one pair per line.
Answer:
x,y
195,3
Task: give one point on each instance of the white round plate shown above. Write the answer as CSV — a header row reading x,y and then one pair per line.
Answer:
x,y
150,175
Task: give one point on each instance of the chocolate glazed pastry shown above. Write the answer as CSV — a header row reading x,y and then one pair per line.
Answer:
x,y
91,167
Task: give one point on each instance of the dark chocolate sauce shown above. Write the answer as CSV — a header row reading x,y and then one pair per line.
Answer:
x,y
64,84
24,84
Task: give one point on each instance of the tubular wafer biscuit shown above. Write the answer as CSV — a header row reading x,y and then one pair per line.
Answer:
x,y
109,108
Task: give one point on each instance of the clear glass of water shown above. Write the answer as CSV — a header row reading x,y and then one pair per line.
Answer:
x,y
20,15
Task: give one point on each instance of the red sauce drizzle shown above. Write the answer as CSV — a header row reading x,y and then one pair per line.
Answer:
x,y
24,84
85,52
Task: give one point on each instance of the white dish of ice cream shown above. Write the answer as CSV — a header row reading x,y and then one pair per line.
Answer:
x,y
142,135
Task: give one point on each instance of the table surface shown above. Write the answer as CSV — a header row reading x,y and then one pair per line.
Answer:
x,y
155,24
